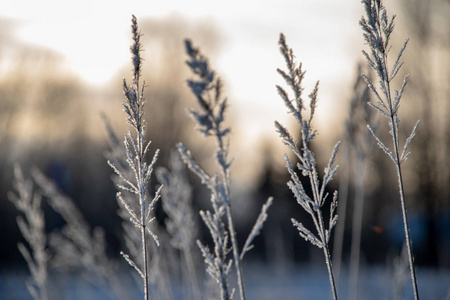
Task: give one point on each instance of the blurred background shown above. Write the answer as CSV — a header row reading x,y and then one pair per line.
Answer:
x,y
61,67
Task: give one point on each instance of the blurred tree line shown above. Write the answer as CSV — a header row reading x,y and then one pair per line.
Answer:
x,y
428,23
39,99
52,120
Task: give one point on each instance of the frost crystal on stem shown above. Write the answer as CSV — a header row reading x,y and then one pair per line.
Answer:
x,y
207,88
137,180
313,204
377,29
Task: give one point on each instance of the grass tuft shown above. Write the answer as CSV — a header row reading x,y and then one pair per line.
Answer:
x,y
312,204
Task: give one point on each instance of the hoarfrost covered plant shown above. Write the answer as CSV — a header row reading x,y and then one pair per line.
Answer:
x,y
136,149
32,228
377,30
356,149
207,88
307,161
158,278
78,245
176,198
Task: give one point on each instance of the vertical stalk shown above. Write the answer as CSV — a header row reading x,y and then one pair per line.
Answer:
x,y
135,150
236,255
227,184
142,191
224,289
308,165
393,118
208,91
326,252
195,287
358,211
406,228
340,226
144,250
237,260
143,214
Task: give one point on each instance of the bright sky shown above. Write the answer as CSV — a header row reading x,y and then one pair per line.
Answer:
x,y
82,29
323,33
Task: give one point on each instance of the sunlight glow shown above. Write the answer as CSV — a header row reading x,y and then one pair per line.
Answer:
x,y
93,37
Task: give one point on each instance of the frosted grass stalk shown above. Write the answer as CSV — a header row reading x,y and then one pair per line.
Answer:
x,y
176,198
32,228
157,276
377,30
307,165
78,245
207,88
338,241
211,121
362,146
357,145
136,149
358,211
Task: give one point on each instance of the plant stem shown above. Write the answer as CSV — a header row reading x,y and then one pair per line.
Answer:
x,y
406,227
195,287
227,184
394,122
358,212
326,253
142,187
237,260
143,214
236,255
340,226
144,250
